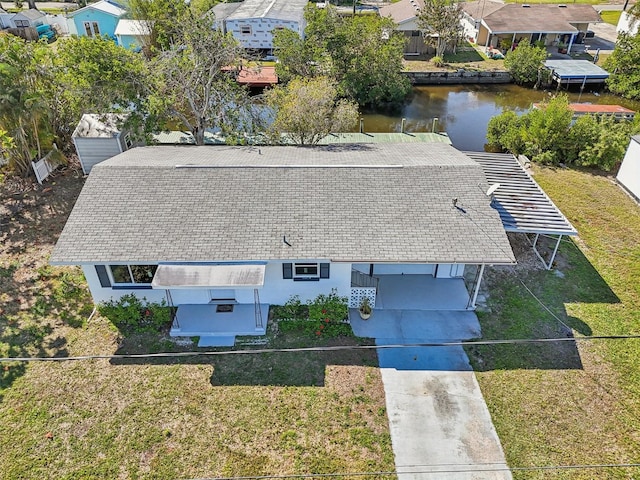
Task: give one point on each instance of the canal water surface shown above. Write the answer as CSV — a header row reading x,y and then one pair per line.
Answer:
x,y
463,111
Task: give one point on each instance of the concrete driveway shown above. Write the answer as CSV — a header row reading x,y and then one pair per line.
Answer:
x,y
439,422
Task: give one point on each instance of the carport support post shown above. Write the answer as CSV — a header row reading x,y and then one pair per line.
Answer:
x,y
477,289
555,250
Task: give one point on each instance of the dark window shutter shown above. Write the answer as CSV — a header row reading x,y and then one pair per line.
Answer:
x,y
324,270
287,270
101,270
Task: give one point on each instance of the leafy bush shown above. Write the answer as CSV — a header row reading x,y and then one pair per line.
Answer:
x,y
526,64
438,61
130,314
324,316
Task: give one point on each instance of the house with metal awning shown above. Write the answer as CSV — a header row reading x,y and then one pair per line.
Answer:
x,y
223,232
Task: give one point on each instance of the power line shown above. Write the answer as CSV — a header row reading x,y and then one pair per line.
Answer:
x,y
449,468
456,343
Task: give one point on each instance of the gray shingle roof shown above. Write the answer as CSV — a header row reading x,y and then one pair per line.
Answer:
x,y
247,9
360,203
532,18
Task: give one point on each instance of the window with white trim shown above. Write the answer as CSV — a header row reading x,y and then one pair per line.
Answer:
x,y
132,274
92,29
245,29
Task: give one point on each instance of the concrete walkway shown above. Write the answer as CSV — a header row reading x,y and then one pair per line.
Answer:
x,y
440,425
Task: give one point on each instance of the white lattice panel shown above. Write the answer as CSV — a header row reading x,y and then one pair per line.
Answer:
x,y
358,293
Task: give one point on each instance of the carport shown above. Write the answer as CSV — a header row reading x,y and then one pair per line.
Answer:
x,y
522,204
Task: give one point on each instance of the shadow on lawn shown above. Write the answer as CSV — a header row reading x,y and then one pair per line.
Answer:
x,y
514,312
297,369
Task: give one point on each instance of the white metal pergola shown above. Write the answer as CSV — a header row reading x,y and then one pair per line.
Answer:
x,y
522,204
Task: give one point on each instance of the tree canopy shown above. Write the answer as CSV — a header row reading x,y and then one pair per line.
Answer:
x,y
526,64
361,53
308,109
548,135
624,66
440,22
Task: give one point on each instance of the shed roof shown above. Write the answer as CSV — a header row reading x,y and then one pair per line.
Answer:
x,y
534,18
522,204
103,6
402,11
31,14
92,125
351,203
132,27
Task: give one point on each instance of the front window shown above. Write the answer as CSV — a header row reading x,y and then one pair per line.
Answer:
x,y
245,29
138,274
22,23
305,270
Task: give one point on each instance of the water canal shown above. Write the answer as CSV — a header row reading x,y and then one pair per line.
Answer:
x,y
463,111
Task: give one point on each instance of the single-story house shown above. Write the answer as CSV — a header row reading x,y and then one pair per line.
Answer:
x,y
246,227
252,22
100,18
490,23
405,14
132,34
629,173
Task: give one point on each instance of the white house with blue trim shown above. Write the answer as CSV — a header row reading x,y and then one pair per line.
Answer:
x,y
223,232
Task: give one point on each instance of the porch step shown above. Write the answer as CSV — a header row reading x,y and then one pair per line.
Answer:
x,y
217,341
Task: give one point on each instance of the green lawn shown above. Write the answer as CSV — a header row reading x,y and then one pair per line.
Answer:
x,y
611,16
570,403
197,417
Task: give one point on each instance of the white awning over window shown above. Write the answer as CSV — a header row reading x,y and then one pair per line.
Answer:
x,y
208,276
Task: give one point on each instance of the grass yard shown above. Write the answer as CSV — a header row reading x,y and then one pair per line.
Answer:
x,y
197,417
570,403
611,16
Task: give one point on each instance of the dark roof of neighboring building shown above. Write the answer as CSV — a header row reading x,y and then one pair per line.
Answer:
x,y
478,10
31,14
402,11
534,18
352,203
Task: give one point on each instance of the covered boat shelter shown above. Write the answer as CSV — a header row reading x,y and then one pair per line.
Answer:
x,y
522,204
575,72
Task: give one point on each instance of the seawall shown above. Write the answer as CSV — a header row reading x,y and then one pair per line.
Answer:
x,y
460,76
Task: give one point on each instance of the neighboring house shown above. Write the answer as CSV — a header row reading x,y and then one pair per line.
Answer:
x,y
29,18
223,232
96,19
489,23
5,19
132,34
629,173
628,24
253,22
405,14
99,137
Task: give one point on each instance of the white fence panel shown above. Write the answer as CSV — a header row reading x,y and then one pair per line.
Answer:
x,y
43,167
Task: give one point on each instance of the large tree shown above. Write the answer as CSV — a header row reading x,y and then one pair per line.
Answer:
x,y
164,19
308,109
361,53
440,22
195,81
526,64
624,66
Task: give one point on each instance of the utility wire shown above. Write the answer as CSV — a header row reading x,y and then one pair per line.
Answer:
x,y
466,468
458,343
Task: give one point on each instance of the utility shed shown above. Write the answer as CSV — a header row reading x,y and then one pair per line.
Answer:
x,y
629,173
99,137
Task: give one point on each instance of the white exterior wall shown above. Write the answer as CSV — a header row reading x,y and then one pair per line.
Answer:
x,y
627,24
450,270
5,20
469,27
60,22
629,173
408,25
261,35
276,290
403,269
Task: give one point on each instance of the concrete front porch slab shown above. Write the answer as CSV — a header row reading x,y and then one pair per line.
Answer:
x,y
202,320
